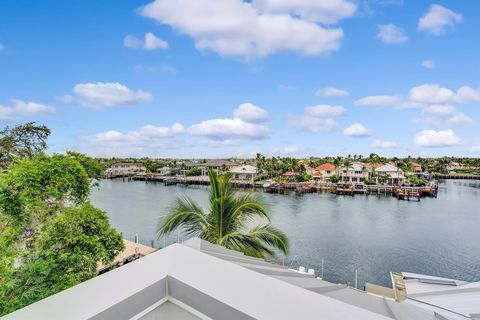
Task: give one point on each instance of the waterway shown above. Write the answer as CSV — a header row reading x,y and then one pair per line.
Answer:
x,y
373,234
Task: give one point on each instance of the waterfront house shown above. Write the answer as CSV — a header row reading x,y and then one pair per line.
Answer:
x,y
454,166
171,283
390,174
354,174
191,165
417,168
290,175
218,165
325,171
125,169
245,172
165,171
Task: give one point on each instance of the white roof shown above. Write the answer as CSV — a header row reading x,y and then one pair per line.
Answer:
x,y
244,169
449,297
208,285
388,168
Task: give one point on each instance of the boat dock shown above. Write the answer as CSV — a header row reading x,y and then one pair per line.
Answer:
x,y
400,192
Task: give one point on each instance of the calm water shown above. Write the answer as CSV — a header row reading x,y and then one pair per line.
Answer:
x,y
373,234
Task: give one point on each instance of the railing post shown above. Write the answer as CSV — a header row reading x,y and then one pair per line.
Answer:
x,y
322,268
136,237
356,278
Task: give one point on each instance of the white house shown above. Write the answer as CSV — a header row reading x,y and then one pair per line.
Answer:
x,y
165,171
354,174
324,171
390,174
245,172
200,280
125,169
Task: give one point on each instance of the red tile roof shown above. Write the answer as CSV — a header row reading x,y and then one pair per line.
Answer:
x,y
325,167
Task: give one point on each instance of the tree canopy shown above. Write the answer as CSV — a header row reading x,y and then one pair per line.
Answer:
x,y
22,141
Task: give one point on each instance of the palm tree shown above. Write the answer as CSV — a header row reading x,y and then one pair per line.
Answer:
x,y
230,221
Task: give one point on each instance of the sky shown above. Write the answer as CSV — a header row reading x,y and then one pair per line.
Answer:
x,y
223,78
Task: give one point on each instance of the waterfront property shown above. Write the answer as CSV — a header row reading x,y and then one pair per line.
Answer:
x,y
132,252
245,172
218,165
324,171
171,283
389,174
123,169
354,174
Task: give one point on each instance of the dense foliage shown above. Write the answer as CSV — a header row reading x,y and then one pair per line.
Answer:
x,y
67,252
22,141
229,221
50,237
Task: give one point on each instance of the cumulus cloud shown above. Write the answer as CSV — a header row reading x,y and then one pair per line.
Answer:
x,y
147,140
19,109
240,29
250,113
438,20
435,94
386,101
150,42
325,110
446,114
323,11
379,144
357,130
248,123
226,129
429,64
102,95
318,118
391,34
436,139
332,92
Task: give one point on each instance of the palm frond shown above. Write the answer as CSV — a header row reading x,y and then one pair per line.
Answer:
x,y
271,236
188,215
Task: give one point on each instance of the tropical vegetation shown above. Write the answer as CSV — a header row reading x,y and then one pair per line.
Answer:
x,y
237,221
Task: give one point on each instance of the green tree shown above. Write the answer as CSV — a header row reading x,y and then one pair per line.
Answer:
x,y
67,253
92,167
228,221
22,141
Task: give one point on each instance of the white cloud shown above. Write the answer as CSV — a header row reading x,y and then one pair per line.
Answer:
x,y
250,113
106,94
2,47
436,139
439,110
431,94
391,34
357,130
314,124
325,110
21,109
226,129
435,94
429,64
448,114
318,118
467,94
459,119
438,20
386,101
290,150
332,92
237,28
323,11
379,144
145,141
475,149
247,123
150,42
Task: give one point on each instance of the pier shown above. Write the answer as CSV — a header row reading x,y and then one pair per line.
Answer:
x,y
400,192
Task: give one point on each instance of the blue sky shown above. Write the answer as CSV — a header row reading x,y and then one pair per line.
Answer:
x,y
211,78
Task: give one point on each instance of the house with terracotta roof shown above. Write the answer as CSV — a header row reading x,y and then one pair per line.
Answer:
x,y
324,171
417,168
